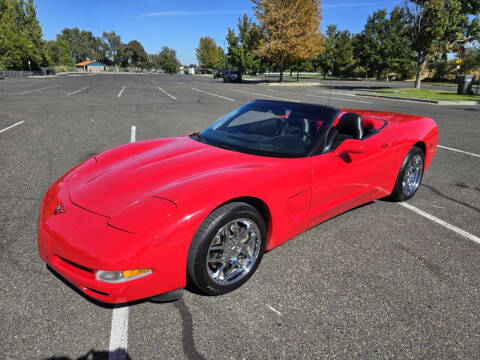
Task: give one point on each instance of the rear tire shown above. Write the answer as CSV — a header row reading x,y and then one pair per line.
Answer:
x,y
227,248
410,175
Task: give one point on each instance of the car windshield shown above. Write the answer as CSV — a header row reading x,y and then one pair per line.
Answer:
x,y
271,128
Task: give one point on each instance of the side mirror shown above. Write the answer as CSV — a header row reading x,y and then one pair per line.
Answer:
x,y
351,146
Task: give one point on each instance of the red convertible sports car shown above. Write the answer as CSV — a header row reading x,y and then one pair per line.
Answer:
x,y
145,219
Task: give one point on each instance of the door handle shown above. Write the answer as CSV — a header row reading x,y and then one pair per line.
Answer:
x,y
386,145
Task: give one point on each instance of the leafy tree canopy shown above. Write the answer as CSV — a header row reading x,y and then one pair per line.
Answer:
x,y
20,36
113,46
291,30
338,50
241,48
207,53
167,60
382,46
440,26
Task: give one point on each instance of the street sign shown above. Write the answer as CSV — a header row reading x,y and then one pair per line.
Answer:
x,y
459,61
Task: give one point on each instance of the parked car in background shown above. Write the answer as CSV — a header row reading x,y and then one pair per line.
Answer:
x,y
46,71
232,76
219,73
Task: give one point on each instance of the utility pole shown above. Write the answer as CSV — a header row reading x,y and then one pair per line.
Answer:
x,y
224,55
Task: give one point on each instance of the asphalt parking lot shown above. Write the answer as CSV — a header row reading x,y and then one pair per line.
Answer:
x,y
381,281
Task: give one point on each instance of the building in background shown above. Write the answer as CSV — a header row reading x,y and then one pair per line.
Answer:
x,y
91,66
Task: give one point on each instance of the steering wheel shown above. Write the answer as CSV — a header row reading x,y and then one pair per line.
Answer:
x,y
300,129
282,123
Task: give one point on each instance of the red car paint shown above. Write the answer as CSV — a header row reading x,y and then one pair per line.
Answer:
x,y
139,205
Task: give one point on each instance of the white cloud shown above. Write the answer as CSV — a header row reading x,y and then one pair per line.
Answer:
x,y
208,12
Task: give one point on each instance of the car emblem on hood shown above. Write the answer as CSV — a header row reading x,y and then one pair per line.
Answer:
x,y
60,210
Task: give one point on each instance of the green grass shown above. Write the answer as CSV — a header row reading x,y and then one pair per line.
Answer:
x,y
63,68
306,76
426,94
433,83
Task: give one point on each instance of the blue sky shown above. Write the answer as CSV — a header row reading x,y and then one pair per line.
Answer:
x,y
179,25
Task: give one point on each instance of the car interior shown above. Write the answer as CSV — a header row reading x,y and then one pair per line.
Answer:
x,y
351,126
287,131
295,132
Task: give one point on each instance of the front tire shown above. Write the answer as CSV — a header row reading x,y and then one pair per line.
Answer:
x,y
410,175
227,248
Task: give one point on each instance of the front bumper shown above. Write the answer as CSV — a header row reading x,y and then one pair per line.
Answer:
x,y
76,243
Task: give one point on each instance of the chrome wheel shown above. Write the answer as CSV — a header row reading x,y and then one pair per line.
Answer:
x,y
233,251
412,175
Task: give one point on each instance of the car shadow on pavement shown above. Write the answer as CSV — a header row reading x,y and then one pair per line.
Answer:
x,y
255,82
97,355
352,88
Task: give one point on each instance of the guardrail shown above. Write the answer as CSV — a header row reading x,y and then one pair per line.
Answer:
x,y
20,73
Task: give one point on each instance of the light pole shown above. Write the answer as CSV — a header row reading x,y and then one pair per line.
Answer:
x,y
29,67
224,55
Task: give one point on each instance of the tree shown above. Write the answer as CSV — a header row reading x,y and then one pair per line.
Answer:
x,y
167,60
59,53
136,53
221,59
11,43
113,47
207,53
338,51
30,27
241,48
291,30
381,47
124,56
440,26
20,36
84,45
471,58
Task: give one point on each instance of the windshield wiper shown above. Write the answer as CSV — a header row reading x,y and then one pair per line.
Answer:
x,y
196,136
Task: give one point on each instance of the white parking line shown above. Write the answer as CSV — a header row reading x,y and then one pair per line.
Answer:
x,y
264,95
121,92
75,92
209,93
178,82
117,349
274,310
443,223
459,151
12,126
133,134
32,91
322,97
166,93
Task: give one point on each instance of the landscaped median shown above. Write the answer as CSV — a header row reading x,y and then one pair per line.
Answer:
x,y
439,97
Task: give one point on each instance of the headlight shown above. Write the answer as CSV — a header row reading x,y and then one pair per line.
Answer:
x,y
121,276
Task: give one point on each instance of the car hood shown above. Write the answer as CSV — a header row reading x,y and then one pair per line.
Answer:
x,y
166,168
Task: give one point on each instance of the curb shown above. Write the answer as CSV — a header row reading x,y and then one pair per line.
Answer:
x,y
426,101
293,84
